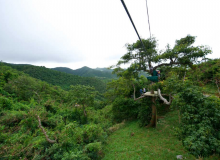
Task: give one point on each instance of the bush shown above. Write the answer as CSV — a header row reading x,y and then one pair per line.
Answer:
x,y
20,107
94,150
93,132
200,122
72,133
3,92
5,103
71,114
100,104
12,118
144,114
124,108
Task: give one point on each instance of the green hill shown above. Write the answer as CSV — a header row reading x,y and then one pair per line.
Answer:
x,y
59,78
102,73
104,69
41,121
64,69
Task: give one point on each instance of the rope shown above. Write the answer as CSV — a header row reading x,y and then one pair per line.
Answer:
x,y
148,19
133,24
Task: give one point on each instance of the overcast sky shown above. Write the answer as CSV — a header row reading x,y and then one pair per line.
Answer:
x,y
93,33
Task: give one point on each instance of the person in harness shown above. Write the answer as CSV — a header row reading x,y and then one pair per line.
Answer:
x,y
141,91
155,76
158,74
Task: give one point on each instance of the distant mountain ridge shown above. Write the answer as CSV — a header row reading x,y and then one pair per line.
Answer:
x,y
88,72
64,80
104,69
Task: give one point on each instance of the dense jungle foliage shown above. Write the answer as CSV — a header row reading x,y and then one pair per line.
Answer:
x,y
61,79
41,121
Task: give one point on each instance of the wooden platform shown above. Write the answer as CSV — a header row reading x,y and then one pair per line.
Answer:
x,y
149,94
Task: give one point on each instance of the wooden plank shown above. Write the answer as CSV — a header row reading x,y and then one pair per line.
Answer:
x,y
149,94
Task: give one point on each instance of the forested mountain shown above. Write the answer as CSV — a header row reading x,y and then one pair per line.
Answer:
x,y
102,73
41,121
104,69
64,69
59,78
88,72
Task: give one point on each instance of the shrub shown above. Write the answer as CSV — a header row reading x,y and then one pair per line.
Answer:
x,y
20,107
5,103
93,132
94,150
12,118
71,114
200,122
100,104
124,108
72,133
144,113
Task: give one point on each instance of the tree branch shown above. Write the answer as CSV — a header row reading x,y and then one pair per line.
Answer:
x,y
45,133
165,64
216,81
134,91
163,99
140,97
184,76
39,99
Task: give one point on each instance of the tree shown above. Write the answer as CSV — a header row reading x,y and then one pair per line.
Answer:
x,y
82,95
206,72
118,87
182,54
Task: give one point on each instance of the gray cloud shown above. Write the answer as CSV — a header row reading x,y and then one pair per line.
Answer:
x,y
26,38
37,50
93,33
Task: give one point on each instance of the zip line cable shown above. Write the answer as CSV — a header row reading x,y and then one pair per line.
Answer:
x,y
148,19
133,23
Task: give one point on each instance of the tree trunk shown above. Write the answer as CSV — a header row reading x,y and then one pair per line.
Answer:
x,y
184,77
84,111
152,91
179,117
216,81
134,91
153,121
